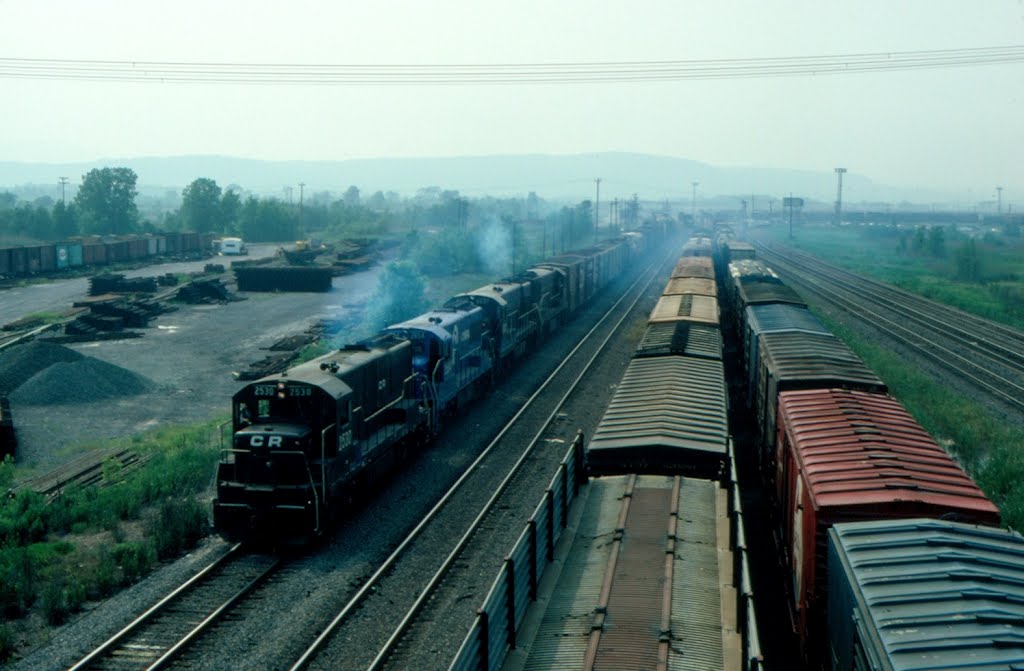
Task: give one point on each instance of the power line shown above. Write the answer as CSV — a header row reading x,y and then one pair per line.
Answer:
x,y
498,73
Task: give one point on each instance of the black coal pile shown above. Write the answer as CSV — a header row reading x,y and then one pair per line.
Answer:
x,y
41,373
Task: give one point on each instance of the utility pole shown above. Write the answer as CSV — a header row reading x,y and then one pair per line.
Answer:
x,y
513,247
790,215
839,196
63,183
999,195
302,188
693,203
597,206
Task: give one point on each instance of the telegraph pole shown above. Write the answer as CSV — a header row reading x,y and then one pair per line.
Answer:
x,y
839,196
999,195
597,206
302,189
693,203
63,183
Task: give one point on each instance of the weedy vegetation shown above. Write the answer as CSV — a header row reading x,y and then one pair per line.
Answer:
x,y
89,541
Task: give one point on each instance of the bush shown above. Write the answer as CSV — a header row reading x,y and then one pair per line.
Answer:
x,y
6,642
177,525
135,559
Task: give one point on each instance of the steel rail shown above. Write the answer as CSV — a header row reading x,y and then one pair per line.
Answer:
x,y
108,647
928,348
368,587
389,646
907,302
997,354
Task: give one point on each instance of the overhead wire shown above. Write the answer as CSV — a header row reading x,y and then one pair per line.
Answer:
x,y
440,74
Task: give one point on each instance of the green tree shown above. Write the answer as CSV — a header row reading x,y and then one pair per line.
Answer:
x,y
968,263
919,239
399,296
268,220
106,201
937,241
200,206
65,220
230,210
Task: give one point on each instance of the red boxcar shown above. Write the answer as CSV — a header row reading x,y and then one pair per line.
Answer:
x,y
852,456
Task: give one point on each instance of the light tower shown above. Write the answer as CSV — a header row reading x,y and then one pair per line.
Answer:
x,y
693,203
839,196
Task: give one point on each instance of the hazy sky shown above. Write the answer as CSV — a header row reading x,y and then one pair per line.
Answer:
x,y
956,128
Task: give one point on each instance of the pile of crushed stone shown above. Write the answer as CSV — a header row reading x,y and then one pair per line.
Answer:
x,y
41,373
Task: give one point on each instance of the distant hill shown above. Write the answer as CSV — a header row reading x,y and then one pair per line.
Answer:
x,y
568,177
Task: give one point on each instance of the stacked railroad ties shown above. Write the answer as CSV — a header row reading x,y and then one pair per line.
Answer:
x,y
308,441
921,584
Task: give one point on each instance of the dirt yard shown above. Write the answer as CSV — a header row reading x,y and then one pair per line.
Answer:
x,y
188,356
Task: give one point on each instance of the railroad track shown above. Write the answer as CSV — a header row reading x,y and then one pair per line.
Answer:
x,y
157,636
86,471
987,355
434,576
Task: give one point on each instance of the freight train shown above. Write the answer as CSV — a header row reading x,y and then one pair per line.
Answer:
x,y
677,591
96,252
842,461
308,441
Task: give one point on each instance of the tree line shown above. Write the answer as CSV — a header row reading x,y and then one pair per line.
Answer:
x,y
446,232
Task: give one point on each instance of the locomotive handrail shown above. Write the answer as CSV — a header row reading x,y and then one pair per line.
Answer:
x,y
220,431
386,406
323,458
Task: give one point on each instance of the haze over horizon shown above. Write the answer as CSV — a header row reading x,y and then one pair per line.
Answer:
x,y
949,128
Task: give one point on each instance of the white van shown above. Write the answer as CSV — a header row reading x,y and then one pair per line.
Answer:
x,y
233,247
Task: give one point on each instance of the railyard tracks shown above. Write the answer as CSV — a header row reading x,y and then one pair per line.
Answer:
x,y
474,524
985,354
153,639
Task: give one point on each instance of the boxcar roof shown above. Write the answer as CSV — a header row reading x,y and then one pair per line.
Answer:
x,y
795,357
694,266
691,285
687,338
935,594
758,290
686,306
862,449
767,317
670,401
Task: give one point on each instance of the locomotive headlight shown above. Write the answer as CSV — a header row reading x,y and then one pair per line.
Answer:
x,y
280,389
